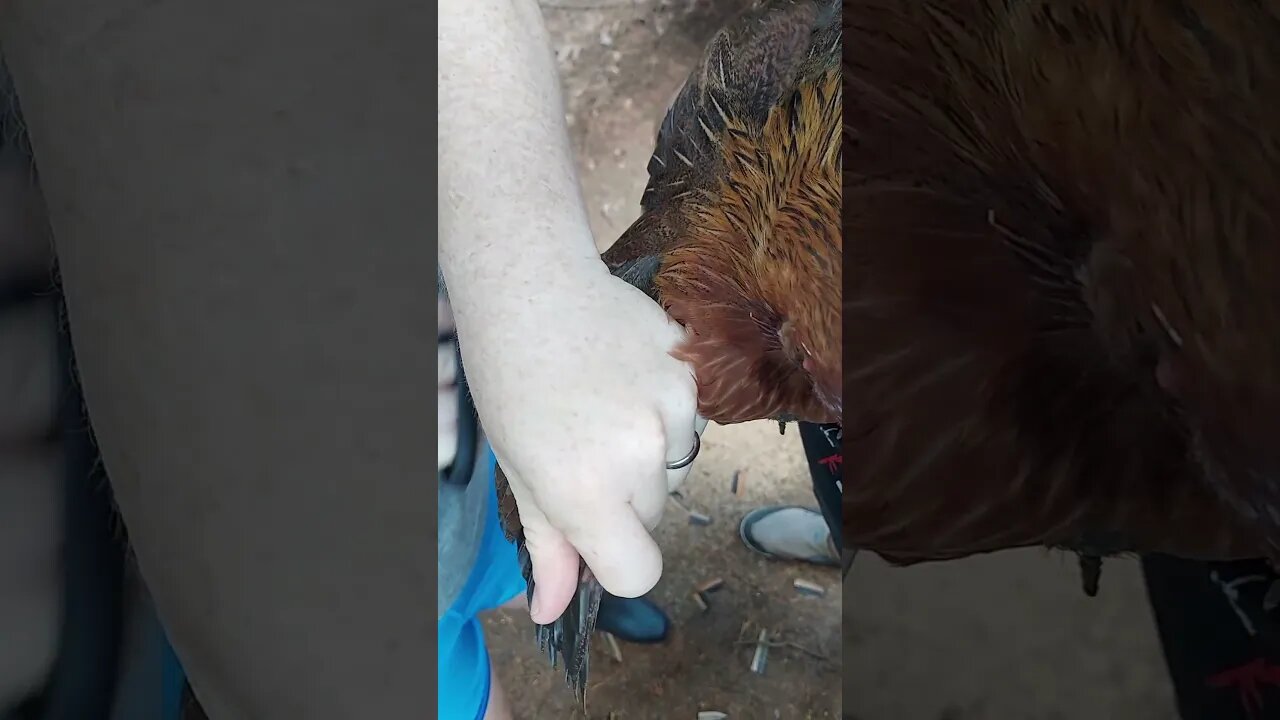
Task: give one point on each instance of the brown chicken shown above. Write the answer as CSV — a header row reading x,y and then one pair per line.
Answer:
x,y
739,241
1063,311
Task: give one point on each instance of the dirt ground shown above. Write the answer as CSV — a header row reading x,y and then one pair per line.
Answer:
x,y
1004,637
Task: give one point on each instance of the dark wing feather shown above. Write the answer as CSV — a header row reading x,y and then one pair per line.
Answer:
x,y
569,636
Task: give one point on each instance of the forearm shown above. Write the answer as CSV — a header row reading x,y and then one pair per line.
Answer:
x,y
512,220
239,224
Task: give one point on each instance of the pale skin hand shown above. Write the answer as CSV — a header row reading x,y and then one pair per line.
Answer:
x,y
570,368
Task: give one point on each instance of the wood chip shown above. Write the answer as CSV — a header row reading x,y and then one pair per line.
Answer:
x,y
761,655
711,715
697,518
701,601
735,483
711,585
614,650
804,587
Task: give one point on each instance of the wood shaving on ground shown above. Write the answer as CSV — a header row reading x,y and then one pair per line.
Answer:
x,y
711,585
761,655
788,644
614,650
804,587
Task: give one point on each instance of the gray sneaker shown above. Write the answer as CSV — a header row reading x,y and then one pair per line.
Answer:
x,y
789,532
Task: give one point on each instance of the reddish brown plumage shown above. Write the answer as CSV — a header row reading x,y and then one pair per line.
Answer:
x,y
756,276
1063,308
741,217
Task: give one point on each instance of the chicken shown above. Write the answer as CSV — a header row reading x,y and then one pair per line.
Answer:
x,y
1063,312
739,241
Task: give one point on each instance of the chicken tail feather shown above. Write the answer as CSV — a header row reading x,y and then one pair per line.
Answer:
x,y
568,637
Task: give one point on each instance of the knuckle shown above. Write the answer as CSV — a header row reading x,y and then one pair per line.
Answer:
x,y
645,441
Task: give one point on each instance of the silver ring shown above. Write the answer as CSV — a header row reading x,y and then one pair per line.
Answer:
x,y
684,462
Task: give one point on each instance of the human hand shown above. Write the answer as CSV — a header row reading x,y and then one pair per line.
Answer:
x,y
584,418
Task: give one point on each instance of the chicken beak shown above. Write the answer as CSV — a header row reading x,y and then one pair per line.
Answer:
x,y
639,273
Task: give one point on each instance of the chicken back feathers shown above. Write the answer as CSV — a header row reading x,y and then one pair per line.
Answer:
x,y
1063,244
739,238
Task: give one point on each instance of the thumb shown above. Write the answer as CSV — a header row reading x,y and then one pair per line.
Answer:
x,y
556,569
618,549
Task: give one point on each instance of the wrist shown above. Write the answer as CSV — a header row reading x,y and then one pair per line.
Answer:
x,y
512,305
527,296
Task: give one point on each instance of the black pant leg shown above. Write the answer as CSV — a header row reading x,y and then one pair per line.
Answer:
x,y
1221,646
824,452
